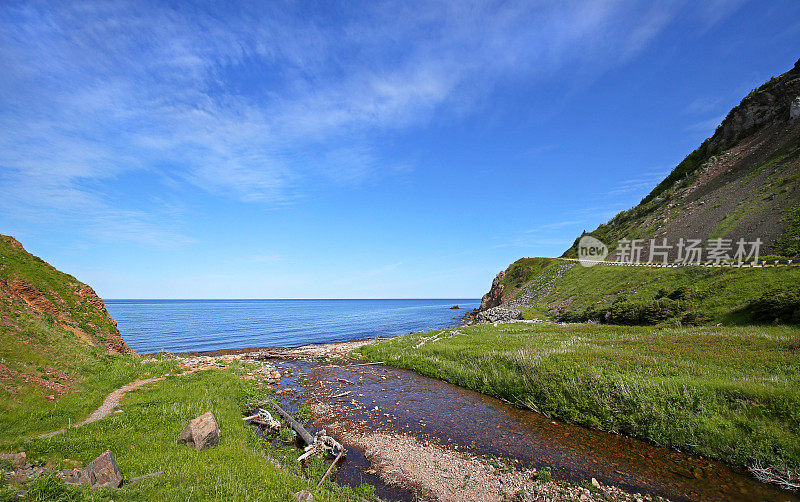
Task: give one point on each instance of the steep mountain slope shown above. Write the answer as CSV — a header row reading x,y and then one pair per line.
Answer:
x,y
743,182
53,328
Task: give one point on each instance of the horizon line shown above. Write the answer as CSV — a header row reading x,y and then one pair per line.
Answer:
x,y
282,299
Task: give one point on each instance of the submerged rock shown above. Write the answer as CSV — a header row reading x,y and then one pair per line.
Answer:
x,y
201,433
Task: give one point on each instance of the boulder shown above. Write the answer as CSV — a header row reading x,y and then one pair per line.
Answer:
x,y
102,472
794,108
201,433
499,314
16,459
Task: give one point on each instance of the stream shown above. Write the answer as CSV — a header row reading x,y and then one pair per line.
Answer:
x,y
437,411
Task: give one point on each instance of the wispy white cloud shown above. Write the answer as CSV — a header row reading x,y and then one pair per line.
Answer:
x,y
262,103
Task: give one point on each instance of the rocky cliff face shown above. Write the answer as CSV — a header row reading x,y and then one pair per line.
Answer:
x,y
769,104
30,285
495,295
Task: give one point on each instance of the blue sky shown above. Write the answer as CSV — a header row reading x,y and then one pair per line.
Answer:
x,y
352,149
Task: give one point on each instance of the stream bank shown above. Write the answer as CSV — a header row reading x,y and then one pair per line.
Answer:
x,y
425,435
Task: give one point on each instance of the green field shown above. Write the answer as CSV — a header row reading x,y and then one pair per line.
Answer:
x,y
731,393
143,439
643,295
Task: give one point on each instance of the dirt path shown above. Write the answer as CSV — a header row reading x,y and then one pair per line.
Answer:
x,y
111,401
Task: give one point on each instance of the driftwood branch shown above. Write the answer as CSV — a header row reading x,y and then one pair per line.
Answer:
x,y
263,417
330,468
311,450
298,428
139,478
786,480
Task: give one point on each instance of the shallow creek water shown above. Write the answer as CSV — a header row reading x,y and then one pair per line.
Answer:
x,y
437,411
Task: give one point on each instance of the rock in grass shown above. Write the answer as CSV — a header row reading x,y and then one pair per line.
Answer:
x,y
103,472
201,433
15,459
304,496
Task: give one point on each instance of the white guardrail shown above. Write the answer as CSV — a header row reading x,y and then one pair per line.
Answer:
x,y
758,264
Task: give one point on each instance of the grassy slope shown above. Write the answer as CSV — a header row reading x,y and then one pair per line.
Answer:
x,y
728,393
35,347
721,294
39,355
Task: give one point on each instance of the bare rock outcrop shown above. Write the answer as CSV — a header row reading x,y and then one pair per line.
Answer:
x,y
103,472
794,108
495,295
766,105
499,314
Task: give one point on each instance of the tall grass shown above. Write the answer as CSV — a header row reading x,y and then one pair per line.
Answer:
x,y
727,393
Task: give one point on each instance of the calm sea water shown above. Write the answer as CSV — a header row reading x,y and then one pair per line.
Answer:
x,y
198,325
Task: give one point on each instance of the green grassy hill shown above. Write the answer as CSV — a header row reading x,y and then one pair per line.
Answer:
x,y
562,290
55,331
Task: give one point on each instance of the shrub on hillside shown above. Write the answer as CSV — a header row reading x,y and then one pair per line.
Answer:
x,y
633,312
781,305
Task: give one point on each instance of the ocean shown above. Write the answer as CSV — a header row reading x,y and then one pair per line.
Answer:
x,y
198,325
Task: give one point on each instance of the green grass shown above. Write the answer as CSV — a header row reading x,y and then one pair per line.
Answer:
x,y
730,393
143,439
708,295
36,349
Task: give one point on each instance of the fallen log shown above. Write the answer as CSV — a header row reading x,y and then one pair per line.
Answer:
x,y
344,380
341,394
298,428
